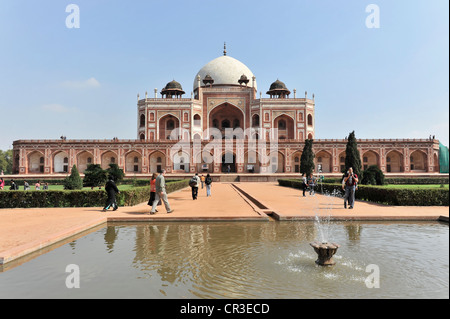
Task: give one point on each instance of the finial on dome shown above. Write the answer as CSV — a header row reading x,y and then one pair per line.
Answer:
x,y
224,48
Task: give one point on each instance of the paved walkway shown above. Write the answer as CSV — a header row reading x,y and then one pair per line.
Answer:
x,y
288,203
23,231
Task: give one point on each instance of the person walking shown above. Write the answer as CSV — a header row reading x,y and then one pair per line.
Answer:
x,y
311,184
195,183
304,184
202,179
2,183
161,193
350,182
153,191
111,189
208,182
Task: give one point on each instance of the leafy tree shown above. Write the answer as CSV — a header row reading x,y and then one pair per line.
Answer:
x,y
6,161
307,160
73,181
372,176
352,157
115,172
94,176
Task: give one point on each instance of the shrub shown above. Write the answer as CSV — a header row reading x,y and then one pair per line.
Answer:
x,y
116,172
79,198
372,176
73,181
382,195
417,180
436,180
94,176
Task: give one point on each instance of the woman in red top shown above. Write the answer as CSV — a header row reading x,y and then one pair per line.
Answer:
x,y
152,189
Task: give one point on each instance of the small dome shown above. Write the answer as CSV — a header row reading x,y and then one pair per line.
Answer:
x,y
279,89
278,85
173,85
243,79
172,88
208,79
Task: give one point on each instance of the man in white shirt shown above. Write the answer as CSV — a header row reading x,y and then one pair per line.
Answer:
x,y
195,186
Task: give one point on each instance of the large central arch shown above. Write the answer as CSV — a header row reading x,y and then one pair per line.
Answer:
x,y
225,116
229,164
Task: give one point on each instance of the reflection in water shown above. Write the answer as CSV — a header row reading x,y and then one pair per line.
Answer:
x,y
110,237
247,260
354,231
207,256
243,260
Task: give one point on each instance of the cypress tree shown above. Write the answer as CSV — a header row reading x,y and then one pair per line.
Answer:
x,y
307,159
73,181
352,157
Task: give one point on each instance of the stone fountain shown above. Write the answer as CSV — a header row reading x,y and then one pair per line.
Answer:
x,y
324,249
325,252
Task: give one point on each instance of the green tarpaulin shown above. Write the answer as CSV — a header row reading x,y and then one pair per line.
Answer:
x,y
443,158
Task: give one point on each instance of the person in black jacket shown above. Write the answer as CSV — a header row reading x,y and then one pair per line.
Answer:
x,y
111,189
14,186
208,182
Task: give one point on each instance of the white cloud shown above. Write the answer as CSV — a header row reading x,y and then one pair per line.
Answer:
x,y
86,84
57,108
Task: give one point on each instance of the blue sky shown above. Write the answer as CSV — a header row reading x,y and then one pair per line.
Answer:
x,y
390,82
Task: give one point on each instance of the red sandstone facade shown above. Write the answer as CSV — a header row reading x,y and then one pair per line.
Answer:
x,y
224,96
141,157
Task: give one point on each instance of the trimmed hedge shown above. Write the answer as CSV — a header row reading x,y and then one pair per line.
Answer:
x,y
86,198
416,180
435,180
381,195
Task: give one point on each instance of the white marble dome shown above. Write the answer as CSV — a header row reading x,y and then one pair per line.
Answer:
x,y
224,70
